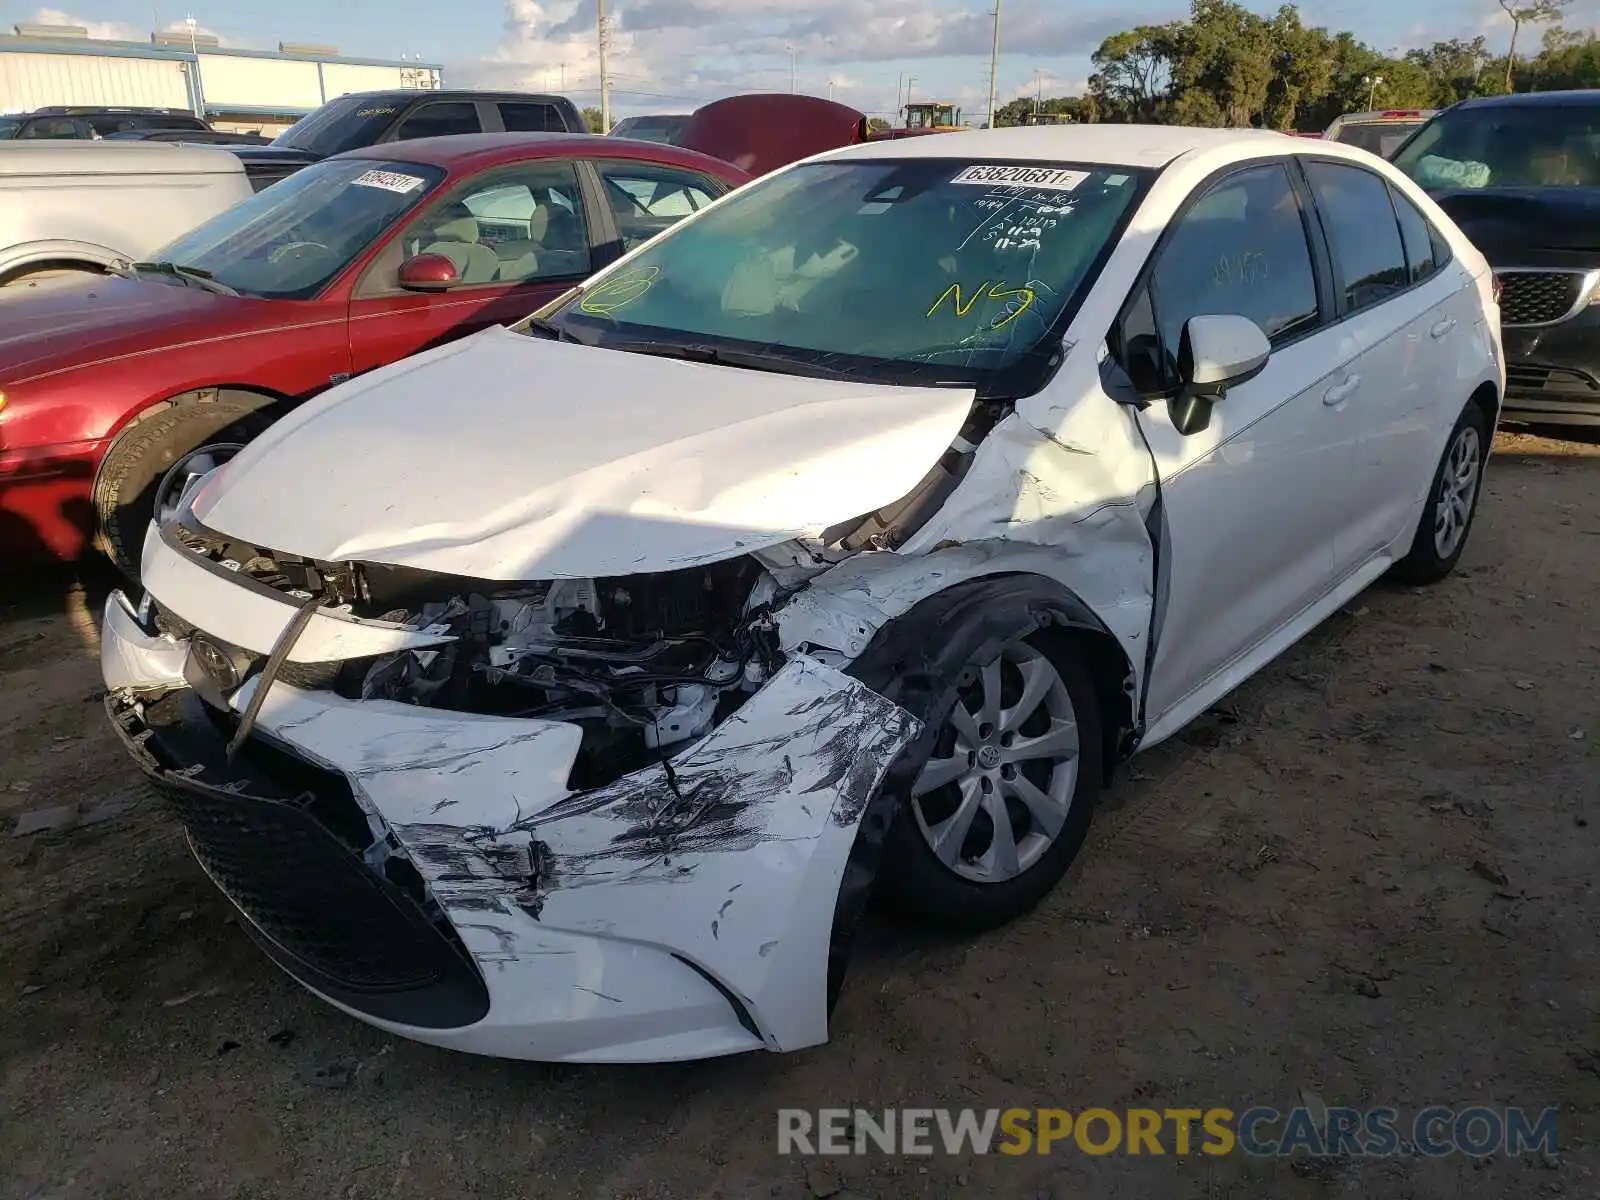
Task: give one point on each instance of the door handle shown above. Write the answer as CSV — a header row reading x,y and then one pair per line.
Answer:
x,y
1441,328
1339,393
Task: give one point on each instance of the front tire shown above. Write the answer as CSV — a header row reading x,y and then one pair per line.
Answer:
x,y
142,457
1005,791
1446,520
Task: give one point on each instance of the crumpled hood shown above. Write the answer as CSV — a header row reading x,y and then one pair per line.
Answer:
x,y
503,456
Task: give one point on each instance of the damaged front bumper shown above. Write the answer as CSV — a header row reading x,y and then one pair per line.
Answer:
x,y
431,873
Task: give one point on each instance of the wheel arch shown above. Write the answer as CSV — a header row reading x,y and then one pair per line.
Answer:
x,y
1487,397
905,660
268,399
28,257
263,399
897,662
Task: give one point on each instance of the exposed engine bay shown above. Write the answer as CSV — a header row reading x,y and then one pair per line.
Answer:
x,y
641,663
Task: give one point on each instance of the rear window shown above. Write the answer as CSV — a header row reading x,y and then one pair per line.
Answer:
x,y
1375,138
1544,146
8,127
665,130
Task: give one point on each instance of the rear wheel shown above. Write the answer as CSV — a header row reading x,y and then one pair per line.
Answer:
x,y
153,459
1446,520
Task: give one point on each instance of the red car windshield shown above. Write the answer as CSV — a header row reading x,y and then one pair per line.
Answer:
x,y
291,239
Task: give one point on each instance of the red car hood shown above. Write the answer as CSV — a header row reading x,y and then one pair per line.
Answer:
x,y
51,329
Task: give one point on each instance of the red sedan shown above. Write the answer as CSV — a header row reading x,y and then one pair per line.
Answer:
x,y
110,386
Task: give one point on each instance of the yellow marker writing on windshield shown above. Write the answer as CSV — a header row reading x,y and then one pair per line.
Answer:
x,y
611,294
1022,297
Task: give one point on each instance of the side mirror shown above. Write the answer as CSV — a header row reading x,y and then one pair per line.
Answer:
x,y
428,273
1214,354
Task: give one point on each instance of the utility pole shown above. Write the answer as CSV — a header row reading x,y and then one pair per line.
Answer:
x,y
1372,82
1038,98
790,48
605,79
830,89
994,61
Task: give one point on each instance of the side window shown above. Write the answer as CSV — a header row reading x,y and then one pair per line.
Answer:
x,y
1242,250
647,199
107,125
519,225
1424,247
51,127
1418,236
531,118
438,120
1365,235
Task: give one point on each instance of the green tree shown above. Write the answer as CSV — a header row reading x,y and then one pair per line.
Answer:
x,y
1524,12
878,125
1225,66
1303,65
1133,73
1455,66
591,118
1568,60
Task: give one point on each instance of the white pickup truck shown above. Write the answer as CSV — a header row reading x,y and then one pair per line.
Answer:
x,y
73,207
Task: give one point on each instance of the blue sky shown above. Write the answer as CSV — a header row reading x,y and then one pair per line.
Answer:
x,y
672,54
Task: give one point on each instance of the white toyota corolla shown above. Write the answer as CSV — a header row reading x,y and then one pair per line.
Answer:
x,y
563,692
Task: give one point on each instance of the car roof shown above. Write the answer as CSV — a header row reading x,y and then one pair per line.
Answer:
x,y
1575,98
1111,145
107,156
1382,116
407,95
474,151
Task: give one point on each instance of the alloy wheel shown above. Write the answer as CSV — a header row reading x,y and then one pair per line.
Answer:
x,y
173,485
995,793
1458,488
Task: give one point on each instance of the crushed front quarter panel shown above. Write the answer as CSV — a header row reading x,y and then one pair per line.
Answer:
x,y
728,862
1070,507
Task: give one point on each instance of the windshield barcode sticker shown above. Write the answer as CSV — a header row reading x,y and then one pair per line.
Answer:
x,y
389,181
1055,179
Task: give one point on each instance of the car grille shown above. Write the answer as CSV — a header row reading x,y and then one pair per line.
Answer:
x,y
1537,297
283,838
307,893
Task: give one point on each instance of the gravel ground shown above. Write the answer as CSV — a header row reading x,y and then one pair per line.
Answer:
x,y
1369,875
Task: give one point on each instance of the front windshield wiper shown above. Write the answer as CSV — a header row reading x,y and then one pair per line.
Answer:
x,y
196,276
750,360
550,329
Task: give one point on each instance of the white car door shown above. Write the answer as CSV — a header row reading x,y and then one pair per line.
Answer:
x,y
1252,505
1398,335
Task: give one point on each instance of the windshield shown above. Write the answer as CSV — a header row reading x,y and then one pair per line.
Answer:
x,y
339,125
289,240
1492,147
915,271
1382,139
652,129
9,127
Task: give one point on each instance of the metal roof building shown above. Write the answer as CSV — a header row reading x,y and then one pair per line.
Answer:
x,y
235,89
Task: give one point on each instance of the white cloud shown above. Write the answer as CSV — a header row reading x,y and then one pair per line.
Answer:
x,y
675,54
117,31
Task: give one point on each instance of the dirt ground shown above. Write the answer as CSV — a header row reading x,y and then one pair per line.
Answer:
x,y
1369,875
